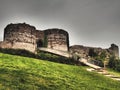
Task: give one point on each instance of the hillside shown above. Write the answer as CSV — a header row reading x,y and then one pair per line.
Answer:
x,y
22,73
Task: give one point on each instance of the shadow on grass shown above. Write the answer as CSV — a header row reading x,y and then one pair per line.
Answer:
x,y
40,55
21,80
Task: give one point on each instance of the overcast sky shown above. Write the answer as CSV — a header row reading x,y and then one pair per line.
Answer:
x,y
93,23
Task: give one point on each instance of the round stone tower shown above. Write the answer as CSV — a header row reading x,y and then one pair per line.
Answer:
x,y
56,39
21,36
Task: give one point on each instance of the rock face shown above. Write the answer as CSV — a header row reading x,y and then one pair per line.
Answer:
x,y
25,36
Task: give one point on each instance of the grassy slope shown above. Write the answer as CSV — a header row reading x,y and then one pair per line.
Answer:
x,y
21,73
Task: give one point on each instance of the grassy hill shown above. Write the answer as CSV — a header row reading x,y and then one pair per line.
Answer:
x,y
22,73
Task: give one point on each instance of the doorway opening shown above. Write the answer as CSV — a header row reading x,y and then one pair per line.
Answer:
x,y
39,43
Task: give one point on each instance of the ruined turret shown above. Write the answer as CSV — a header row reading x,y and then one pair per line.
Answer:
x,y
56,39
20,36
115,50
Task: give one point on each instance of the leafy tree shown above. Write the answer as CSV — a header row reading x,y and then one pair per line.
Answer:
x,y
114,63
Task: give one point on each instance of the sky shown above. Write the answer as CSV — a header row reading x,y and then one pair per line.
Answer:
x,y
94,23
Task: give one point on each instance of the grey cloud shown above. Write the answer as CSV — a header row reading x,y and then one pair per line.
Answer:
x,y
89,22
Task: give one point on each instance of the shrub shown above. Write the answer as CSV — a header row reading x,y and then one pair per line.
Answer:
x,y
20,52
114,63
39,55
55,58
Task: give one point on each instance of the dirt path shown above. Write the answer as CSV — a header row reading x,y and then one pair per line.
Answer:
x,y
105,73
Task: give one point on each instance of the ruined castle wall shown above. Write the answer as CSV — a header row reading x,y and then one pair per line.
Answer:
x,y
24,36
39,38
57,39
84,52
114,48
39,34
79,50
5,44
26,46
21,36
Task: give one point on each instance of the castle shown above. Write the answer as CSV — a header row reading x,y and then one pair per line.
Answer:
x,y
25,36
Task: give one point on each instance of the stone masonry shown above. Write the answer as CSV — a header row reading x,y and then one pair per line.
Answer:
x,y
25,36
87,52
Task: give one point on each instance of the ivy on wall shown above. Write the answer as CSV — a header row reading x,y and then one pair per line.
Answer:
x,y
45,43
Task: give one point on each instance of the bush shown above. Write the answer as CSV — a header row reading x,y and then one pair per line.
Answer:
x,y
39,55
114,63
118,67
20,52
55,58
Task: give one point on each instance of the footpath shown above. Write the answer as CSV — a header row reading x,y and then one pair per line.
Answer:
x,y
100,70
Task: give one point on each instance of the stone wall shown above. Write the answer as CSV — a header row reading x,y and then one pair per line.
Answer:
x,y
22,45
57,39
39,38
5,44
88,52
25,36
20,33
21,36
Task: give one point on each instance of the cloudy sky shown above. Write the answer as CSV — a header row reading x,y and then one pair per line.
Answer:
x,y
93,23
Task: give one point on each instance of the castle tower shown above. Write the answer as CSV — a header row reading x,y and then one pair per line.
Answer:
x,y
25,36
115,50
56,39
21,36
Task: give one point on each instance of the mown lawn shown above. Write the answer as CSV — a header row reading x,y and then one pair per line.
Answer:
x,y
22,73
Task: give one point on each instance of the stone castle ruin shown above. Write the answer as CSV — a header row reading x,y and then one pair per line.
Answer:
x,y
25,36
88,52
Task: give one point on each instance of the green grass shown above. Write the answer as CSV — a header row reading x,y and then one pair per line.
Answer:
x,y
22,73
113,72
